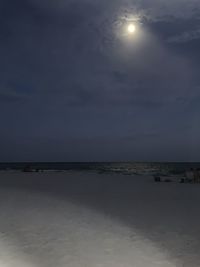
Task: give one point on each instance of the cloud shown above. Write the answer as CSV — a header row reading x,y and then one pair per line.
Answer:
x,y
8,94
75,75
185,37
53,49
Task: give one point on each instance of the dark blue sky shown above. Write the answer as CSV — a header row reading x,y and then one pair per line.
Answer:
x,y
73,87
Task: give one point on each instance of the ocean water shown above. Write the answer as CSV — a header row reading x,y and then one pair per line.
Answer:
x,y
127,168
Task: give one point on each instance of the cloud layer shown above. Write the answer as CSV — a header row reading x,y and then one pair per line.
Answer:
x,y
65,64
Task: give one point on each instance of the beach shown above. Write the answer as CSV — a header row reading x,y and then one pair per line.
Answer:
x,y
74,219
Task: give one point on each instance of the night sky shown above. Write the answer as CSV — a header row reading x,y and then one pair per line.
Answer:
x,y
75,87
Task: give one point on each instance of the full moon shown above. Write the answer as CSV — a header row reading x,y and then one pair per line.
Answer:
x,y
131,28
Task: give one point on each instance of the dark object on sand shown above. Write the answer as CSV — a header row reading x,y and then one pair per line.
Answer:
x,y
185,181
167,180
27,168
196,176
157,179
198,172
182,181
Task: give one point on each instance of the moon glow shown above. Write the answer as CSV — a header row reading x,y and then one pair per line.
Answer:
x,y
131,28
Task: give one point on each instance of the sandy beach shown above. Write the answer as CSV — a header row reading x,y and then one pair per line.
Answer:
x,y
85,219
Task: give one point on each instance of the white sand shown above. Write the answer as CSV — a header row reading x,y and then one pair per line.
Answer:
x,y
91,220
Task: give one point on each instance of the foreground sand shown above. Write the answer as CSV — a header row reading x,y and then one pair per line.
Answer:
x,y
86,219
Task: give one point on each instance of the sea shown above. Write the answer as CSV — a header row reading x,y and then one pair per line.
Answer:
x,y
127,168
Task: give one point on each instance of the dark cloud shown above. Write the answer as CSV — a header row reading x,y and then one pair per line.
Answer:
x,y
68,76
